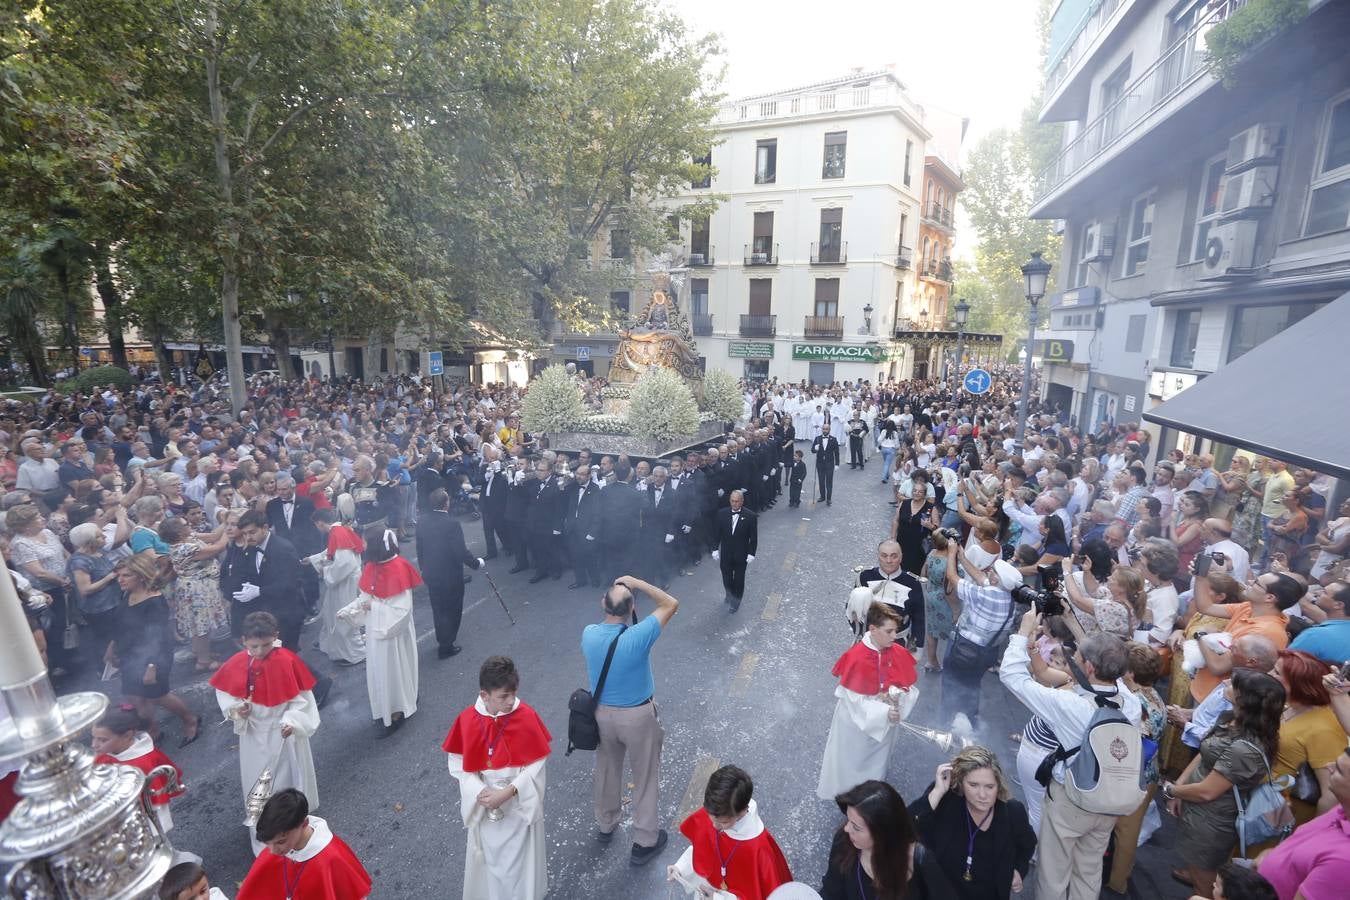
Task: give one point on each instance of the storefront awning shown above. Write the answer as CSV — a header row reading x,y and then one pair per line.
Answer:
x,y
1285,398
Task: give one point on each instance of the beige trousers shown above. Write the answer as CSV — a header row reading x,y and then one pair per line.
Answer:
x,y
1127,844
635,732
1072,842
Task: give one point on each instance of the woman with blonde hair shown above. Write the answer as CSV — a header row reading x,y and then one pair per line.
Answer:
x,y
977,831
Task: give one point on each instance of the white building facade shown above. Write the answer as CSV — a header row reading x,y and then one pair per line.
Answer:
x,y
1199,218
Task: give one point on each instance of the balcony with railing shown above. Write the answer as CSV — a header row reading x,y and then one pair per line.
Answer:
x,y
1144,102
702,259
823,327
761,254
937,271
829,254
1094,22
904,257
937,214
703,324
759,326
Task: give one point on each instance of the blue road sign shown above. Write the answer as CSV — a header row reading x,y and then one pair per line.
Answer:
x,y
435,363
583,354
977,381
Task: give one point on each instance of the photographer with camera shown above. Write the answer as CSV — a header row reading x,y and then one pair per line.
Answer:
x,y
1098,713
986,594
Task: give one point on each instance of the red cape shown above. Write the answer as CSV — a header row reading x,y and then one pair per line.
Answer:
x,y
335,874
389,578
145,762
864,671
755,868
340,537
519,738
279,677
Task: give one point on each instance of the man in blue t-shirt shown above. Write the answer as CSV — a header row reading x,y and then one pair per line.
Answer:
x,y
1329,641
626,714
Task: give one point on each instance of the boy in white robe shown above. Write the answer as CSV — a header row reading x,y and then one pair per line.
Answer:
x,y
497,750
385,606
339,568
266,691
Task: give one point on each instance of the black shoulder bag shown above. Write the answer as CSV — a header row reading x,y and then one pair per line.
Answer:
x,y
583,732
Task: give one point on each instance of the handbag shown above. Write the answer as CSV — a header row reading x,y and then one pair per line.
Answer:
x,y
1306,787
967,654
583,731
1266,813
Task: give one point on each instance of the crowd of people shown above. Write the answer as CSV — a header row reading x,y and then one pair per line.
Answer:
x,y
1178,634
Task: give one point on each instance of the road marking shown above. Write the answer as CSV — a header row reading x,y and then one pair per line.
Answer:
x,y
740,683
789,561
698,782
771,607
803,527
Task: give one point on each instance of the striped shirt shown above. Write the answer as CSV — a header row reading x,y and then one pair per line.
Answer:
x,y
985,613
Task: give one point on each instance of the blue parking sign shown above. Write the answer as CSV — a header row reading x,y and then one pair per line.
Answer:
x,y
977,381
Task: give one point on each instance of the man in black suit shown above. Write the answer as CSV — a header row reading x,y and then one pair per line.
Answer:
x,y
620,524
292,519
275,585
659,527
442,556
797,472
492,501
429,476
826,449
737,541
544,523
581,528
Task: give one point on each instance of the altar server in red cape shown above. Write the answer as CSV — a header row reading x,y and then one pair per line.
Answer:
x,y
304,860
731,854
497,749
266,691
119,738
339,568
385,606
863,730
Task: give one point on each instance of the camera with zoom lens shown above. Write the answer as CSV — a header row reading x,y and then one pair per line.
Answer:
x,y
1205,560
950,534
1048,601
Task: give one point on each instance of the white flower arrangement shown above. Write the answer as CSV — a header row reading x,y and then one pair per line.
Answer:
x,y
662,407
722,396
553,402
603,423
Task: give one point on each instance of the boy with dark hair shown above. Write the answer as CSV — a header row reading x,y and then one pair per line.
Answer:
x,y
187,881
730,850
796,480
497,750
304,860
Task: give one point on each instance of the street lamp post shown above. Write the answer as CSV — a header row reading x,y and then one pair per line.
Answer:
x,y
1037,272
959,314
328,317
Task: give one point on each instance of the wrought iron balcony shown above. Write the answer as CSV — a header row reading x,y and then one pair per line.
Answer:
x,y
759,326
938,271
829,254
761,255
904,258
702,259
703,323
824,327
938,214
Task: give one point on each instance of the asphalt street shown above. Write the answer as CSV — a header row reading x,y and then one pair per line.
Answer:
x,y
753,689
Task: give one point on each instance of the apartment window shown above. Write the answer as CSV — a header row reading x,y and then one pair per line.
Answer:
x,y
1080,253
706,180
763,242
766,162
831,233
827,297
1185,335
1134,334
1113,113
1329,205
1209,205
904,227
618,301
1253,325
673,229
836,148
698,296
619,245
1141,231
698,237
768,108
899,302
909,156
384,359
761,296
923,255
756,370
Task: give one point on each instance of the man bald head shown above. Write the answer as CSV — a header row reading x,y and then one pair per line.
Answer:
x,y
888,557
1254,651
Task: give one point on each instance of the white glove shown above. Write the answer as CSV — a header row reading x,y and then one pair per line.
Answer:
x,y
717,554
836,468
590,537
750,557
764,478
482,563
669,538
685,528
248,593
556,533
720,492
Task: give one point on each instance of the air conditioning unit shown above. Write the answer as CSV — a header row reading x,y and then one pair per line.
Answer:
x,y
1255,146
697,259
1100,242
759,258
1249,192
1231,248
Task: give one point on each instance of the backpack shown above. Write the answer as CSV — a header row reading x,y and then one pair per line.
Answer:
x,y
1106,775
583,732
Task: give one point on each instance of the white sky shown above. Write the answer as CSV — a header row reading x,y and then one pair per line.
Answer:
x,y
976,58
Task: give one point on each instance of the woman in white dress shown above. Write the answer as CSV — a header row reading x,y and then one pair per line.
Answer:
x,y
385,605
